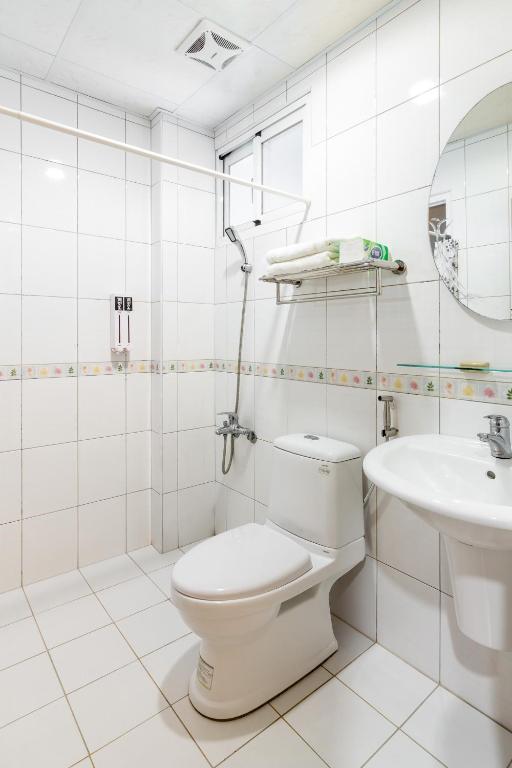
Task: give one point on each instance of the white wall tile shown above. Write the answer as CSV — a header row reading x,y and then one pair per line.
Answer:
x,y
49,478
10,317
101,406
355,350
195,331
170,522
44,142
102,527
49,411
94,343
10,130
408,619
307,411
49,330
101,467
487,165
10,553
270,407
410,130
10,191
354,597
138,465
195,274
195,457
96,157
138,212
101,205
196,400
49,262
411,312
101,267
196,511
138,520
58,530
10,258
49,194
10,416
196,217
351,86
306,335
138,402
169,463
10,474
408,54
351,414
351,168
138,168
198,149
486,35
138,271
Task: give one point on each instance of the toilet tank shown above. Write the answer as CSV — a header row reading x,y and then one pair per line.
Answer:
x,y
316,489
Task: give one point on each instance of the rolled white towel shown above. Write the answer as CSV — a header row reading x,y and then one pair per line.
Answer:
x,y
301,250
305,264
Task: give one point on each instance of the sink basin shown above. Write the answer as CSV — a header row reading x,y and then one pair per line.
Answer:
x,y
457,487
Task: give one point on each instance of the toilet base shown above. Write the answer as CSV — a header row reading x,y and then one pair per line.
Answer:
x,y
234,677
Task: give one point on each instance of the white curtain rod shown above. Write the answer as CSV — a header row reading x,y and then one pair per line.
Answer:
x,y
36,120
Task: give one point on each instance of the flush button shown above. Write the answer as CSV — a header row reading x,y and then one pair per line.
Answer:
x,y
311,437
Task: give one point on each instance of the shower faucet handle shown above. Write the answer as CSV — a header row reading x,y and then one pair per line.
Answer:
x,y
232,416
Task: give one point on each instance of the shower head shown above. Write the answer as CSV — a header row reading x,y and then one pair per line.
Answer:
x,y
233,238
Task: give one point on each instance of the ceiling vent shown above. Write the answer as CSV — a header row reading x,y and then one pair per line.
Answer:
x,y
212,46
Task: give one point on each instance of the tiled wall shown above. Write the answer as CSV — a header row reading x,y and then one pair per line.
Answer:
x,y
183,239
384,102
475,172
74,420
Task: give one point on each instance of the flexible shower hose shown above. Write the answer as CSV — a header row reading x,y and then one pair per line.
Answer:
x,y
226,468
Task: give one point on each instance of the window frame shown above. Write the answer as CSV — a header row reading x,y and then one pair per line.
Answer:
x,y
298,112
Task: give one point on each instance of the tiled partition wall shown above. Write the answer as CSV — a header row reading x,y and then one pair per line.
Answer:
x,y
383,103
74,420
183,239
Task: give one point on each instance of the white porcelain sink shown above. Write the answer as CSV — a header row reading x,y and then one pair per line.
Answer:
x,y
457,487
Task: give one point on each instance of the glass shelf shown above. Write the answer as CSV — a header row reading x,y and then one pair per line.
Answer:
x,y
454,368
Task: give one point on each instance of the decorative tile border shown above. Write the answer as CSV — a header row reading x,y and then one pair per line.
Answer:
x,y
66,370
477,389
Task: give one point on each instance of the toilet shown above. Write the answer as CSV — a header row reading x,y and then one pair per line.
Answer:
x,y
258,595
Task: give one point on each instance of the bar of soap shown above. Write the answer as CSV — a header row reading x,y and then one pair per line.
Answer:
x,y
475,364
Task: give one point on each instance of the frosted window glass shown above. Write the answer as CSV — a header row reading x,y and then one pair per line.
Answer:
x,y
282,165
240,208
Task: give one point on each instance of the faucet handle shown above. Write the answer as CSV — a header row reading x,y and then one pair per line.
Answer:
x,y
497,421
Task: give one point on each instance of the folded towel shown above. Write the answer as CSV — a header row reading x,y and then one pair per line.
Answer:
x,y
359,249
300,250
305,264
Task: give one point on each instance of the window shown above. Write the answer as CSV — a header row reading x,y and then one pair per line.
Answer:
x,y
274,157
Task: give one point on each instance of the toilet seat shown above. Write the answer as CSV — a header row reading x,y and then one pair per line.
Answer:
x,y
246,561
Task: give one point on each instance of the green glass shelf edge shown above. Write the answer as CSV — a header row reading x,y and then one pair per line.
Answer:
x,y
454,368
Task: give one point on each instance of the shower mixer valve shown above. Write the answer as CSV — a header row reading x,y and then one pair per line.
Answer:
x,y
230,426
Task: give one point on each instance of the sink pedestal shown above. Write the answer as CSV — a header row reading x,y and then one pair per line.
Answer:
x,y
482,590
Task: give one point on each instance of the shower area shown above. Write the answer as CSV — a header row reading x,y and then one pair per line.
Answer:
x,y
115,358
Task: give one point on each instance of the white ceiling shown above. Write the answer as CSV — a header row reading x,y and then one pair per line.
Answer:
x,y
123,51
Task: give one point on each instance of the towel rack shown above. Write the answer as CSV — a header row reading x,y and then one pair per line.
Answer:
x,y
397,267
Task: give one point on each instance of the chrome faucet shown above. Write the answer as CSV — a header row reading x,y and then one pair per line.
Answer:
x,y
230,426
498,437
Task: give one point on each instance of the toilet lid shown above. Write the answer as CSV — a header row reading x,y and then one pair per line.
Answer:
x,y
242,562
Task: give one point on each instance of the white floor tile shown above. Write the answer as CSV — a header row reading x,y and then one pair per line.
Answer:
x,y
151,629
90,657
150,560
218,739
277,747
161,742
351,644
58,590
26,687
129,597
339,726
302,688
401,752
162,578
59,625
13,607
109,572
459,735
108,708
19,641
387,683
172,666
47,738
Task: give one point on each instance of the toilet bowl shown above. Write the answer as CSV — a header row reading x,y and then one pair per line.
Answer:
x,y
258,595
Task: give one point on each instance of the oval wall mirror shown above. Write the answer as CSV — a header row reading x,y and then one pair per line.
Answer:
x,y
469,214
